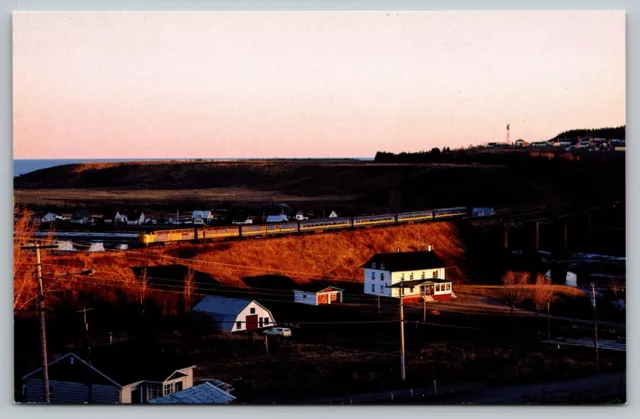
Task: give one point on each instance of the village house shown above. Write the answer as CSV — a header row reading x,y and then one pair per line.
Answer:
x,y
300,216
204,215
421,273
317,295
49,218
137,218
235,314
115,217
82,216
115,378
334,214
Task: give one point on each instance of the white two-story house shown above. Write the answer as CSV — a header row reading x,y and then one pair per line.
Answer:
x,y
423,272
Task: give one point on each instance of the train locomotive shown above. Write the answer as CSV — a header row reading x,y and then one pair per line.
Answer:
x,y
204,233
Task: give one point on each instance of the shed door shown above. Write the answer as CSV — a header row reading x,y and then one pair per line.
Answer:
x,y
333,296
252,322
323,299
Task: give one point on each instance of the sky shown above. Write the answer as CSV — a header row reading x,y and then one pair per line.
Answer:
x,y
307,84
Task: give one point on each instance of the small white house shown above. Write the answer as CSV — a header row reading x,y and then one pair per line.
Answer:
x,y
119,218
316,297
333,214
300,216
205,215
49,218
421,274
236,314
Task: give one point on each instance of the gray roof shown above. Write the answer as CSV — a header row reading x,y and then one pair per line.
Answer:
x,y
216,304
205,393
224,310
406,261
276,218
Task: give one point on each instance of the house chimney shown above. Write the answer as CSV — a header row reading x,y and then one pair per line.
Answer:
x,y
428,248
398,251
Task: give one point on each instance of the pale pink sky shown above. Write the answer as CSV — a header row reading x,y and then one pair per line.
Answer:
x,y
276,84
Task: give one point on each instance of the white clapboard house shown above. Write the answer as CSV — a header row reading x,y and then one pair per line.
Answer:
x,y
422,273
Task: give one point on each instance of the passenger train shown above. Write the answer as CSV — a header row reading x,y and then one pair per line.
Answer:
x,y
200,234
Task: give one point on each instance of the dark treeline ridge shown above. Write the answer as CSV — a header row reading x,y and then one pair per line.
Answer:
x,y
520,159
608,132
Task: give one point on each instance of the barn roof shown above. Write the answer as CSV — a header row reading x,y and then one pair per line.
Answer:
x,y
224,310
205,393
405,261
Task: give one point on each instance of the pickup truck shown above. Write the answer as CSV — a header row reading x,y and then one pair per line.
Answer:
x,y
278,331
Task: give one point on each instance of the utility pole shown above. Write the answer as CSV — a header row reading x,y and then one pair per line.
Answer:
x,y
378,304
403,375
595,322
548,324
537,236
506,237
43,331
266,343
88,342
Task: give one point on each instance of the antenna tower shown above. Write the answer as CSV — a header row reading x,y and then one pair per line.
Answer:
x,y
508,140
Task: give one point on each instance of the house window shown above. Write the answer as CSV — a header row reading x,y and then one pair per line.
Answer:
x,y
435,274
411,276
382,287
448,286
382,276
266,320
238,325
304,295
402,277
373,287
252,310
177,386
411,290
422,274
168,388
373,275
373,265
260,321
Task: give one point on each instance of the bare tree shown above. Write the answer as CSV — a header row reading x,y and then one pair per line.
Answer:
x,y
188,289
24,286
143,288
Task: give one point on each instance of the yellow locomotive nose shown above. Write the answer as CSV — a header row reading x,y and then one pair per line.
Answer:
x,y
145,239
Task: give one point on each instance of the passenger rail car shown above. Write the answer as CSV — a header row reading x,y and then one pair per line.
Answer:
x,y
450,212
374,220
198,233
324,224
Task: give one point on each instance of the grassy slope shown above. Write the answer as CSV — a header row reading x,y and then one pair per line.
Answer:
x,y
366,185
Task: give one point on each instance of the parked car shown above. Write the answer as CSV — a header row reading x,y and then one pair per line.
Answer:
x,y
278,331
